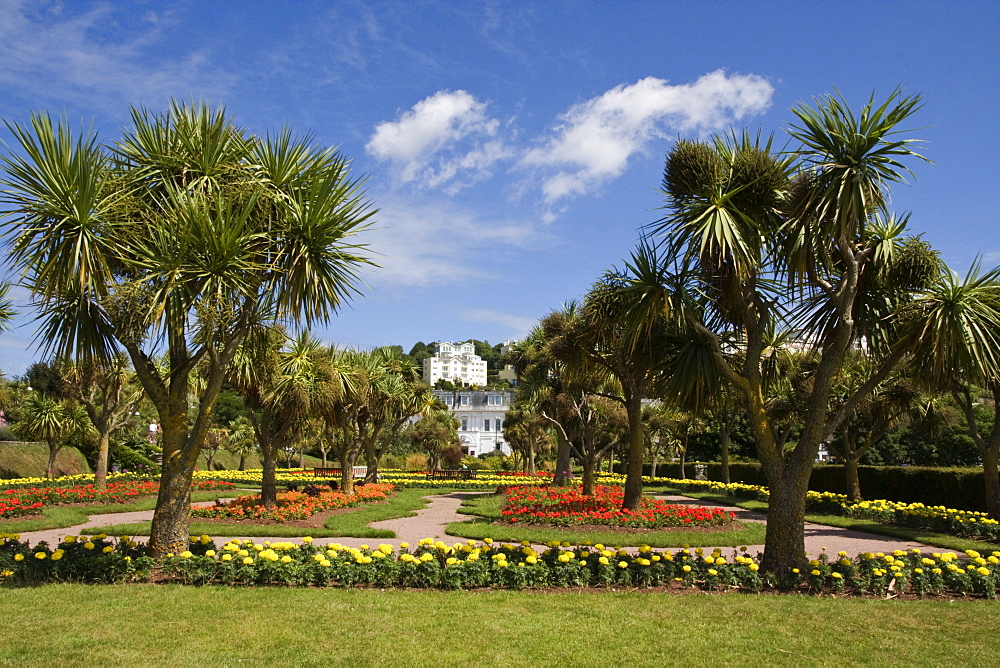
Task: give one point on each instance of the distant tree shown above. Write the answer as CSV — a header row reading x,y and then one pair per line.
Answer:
x,y
44,378
434,433
421,351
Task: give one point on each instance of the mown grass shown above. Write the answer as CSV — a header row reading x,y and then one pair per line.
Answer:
x,y
60,517
905,533
349,524
163,625
487,510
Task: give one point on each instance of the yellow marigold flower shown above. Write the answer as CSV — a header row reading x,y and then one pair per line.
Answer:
x,y
622,564
583,562
243,553
532,559
754,567
795,570
712,571
325,563
451,561
404,546
69,539
40,555
307,539
936,571
286,559
814,572
918,571
686,568
209,553
982,570
247,561
426,556
227,557
18,557
655,557
88,545
57,555
841,554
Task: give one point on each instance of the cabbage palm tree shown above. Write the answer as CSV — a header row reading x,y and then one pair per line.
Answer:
x,y
109,392
763,240
953,335
179,237
44,419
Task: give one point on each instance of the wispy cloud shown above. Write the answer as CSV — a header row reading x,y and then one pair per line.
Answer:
x,y
51,52
593,141
429,241
517,325
447,140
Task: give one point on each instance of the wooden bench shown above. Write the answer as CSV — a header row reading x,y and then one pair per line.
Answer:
x,y
321,472
452,474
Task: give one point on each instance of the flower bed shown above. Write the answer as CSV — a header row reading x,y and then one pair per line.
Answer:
x,y
484,480
27,500
475,564
567,506
951,521
292,505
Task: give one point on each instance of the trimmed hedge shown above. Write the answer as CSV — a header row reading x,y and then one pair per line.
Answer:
x,y
960,488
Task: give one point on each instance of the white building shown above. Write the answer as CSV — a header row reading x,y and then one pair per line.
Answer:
x,y
453,362
481,414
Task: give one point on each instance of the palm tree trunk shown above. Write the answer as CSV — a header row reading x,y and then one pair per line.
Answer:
x,y
636,449
562,460
347,460
101,468
50,468
589,477
724,443
269,473
853,482
171,521
243,462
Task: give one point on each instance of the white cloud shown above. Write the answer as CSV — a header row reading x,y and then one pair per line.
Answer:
x,y
595,139
427,242
445,141
51,52
518,325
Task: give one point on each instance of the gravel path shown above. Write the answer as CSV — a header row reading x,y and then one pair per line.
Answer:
x,y
430,522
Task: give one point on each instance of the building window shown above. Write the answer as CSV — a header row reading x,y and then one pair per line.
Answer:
x,y
446,400
494,400
486,424
465,424
465,400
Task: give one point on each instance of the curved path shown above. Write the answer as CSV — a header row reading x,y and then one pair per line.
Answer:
x,y
431,520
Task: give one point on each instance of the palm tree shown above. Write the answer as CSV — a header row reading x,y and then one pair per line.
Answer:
x,y
182,236
109,392
44,419
762,240
243,440
953,335
284,383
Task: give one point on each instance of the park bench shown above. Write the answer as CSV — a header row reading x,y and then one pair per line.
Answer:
x,y
452,474
321,472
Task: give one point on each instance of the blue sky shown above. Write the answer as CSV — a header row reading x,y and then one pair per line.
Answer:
x,y
515,148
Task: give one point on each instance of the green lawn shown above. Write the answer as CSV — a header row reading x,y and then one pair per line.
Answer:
x,y
487,509
161,625
60,517
353,523
926,537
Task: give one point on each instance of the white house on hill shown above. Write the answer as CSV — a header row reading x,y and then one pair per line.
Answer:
x,y
481,414
455,361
